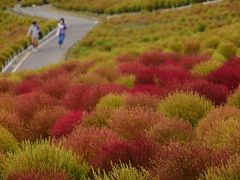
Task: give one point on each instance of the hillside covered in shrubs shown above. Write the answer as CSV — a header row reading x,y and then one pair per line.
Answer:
x,y
146,96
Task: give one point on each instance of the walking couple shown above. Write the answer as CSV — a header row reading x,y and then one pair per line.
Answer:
x,y
36,34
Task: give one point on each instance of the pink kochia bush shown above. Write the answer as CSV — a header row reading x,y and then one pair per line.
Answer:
x,y
177,161
228,74
65,124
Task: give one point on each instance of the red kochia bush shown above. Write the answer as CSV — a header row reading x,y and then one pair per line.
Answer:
x,y
28,85
38,175
162,75
86,96
228,74
131,67
54,72
139,152
217,93
77,97
187,62
153,58
152,90
57,87
64,125
177,161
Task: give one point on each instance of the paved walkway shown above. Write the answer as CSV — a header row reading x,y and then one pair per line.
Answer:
x,y
49,52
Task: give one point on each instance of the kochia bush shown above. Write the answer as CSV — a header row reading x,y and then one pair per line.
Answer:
x,y
177,161
220,129
188,106
45,156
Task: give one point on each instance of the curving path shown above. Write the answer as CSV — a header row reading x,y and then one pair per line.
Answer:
x,y
49,52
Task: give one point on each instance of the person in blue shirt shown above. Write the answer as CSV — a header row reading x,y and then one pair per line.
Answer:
x,y
61,32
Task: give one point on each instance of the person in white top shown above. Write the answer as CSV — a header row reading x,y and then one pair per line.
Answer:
x,y
61,32
34,31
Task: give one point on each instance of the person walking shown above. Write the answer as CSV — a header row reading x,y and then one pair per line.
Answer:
x,y
61,32
34,32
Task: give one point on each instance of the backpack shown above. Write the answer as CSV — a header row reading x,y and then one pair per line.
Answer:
x,y
40,34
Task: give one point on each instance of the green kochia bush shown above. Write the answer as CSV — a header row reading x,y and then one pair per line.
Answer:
x,y
113,101
229,171
7,141
44,156
228,50
123,172
188,106
220,129
234,99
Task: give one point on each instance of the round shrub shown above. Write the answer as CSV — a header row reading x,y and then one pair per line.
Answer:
x,y
56,87
27,104
7,102
228,74
220,129
98,117
218,57
123,171
229,171
64,125
87,142
28,85
44,156
7,141
12,122
217,93
126,81
212,42
5,85
142,100
191,46
42,121
234,98
154,58
188,106
133,122
206,67
113,101
168,130
152,90
228,50
139,152
176,161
